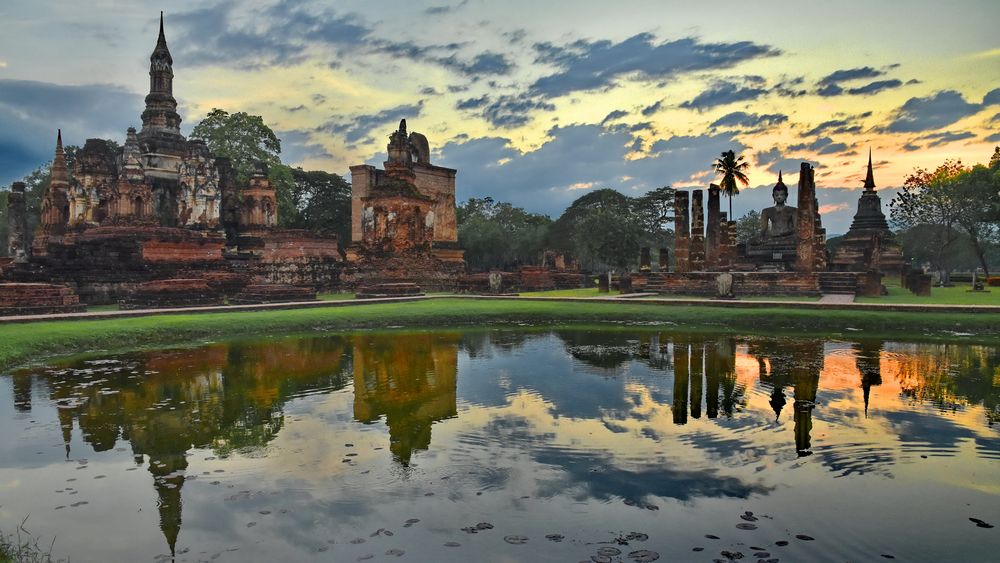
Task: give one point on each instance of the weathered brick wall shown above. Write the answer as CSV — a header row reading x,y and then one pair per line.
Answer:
x,y
703,284
37,298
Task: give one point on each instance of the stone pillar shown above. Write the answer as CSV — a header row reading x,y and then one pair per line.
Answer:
x,y
229,215
696,254
727,243
805,251
712,254
682,233
17,224
681,380
645,263
625,283
604,283
664,260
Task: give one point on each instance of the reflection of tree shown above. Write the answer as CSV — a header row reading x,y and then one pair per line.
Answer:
x,y
609,351
796,363
409,378
950,375
868,361
225,397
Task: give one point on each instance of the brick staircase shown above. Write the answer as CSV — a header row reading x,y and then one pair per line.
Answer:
x,y
838,283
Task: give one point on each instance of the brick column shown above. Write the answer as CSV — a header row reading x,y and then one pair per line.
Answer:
x,y
696,254
682,232
805,251
712,233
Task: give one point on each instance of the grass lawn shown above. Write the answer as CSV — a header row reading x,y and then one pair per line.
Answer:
x,y
958,295
24,342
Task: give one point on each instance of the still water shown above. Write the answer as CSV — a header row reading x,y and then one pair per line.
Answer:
x,y
566,445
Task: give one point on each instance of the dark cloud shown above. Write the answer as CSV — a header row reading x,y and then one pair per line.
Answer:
x,y
297,108
875,87
750,120
840,125
910,147
284,33
830,90
440,10
946,137
994,119
587,155
30,113
722,93
512,110
593,65
992,97
822,145
994,138
472,103
358,127
933,112
297,145
850,74
428,91
650,110
617,114
766,157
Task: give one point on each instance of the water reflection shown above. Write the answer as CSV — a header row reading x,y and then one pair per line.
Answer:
x,y
651,388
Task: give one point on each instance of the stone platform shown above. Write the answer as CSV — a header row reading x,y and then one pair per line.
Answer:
x,y
183,292
389,290
38,299
273,293
745,284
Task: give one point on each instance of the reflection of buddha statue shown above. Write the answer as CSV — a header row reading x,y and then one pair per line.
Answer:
x,y
778,223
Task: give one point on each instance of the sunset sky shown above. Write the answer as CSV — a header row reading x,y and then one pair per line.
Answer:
x,y
533,102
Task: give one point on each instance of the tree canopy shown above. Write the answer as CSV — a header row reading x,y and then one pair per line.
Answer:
x,y
242,137
733,171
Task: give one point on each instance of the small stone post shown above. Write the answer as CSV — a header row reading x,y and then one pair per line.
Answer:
x,y
664,260
604,283
17,224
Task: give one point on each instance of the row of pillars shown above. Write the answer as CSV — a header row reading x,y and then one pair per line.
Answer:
x,y
697,248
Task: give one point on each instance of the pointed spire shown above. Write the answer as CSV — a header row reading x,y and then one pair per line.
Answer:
x,y
161,51
779,176
870,178
58,170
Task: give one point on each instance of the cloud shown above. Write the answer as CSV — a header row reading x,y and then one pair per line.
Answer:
x,y
766,157
592,65
650,110
749,120
30,113
587,154
994,138
617,114
875,87
849,74
472,103
358,127
441,10
992,97
847,124
823,145
513,110
933,112
297,145
288,31
947,137
722,93
910,147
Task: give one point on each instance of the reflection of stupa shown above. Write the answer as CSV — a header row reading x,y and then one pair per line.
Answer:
x,y
867,359
797,364
409,378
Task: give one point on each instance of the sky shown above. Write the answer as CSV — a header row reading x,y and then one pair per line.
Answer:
x,y
536,102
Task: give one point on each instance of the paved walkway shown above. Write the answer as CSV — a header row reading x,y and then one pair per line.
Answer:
x,y
838,298
662,301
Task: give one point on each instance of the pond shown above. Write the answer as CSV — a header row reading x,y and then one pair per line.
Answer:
x,y
626,444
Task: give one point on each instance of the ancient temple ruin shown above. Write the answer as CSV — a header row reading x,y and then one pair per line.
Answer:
x,y
787,256
869,244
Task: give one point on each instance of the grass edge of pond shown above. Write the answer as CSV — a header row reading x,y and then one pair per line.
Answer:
x,y
37,340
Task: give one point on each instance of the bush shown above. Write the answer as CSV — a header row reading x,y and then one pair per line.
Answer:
x,y
993,281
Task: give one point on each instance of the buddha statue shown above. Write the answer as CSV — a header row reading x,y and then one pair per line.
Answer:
x,y
778,223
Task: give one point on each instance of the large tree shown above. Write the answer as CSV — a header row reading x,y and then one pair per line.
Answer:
x,y
242,137
500,235
979,189
733,170
932,198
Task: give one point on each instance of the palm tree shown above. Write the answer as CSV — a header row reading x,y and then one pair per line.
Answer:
x,y
733,171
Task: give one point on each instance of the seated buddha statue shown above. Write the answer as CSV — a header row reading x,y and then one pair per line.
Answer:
x,y
778,223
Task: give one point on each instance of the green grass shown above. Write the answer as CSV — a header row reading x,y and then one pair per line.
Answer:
x,y
958,295
30,342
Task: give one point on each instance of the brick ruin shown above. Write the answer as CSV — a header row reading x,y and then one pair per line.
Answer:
x,y
403,219
782,261
139,223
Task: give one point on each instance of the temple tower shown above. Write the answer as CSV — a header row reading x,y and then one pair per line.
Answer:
x,y
855,251
160,116
55,204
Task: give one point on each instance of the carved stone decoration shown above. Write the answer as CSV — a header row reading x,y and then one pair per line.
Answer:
x,y
724,285
496,282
